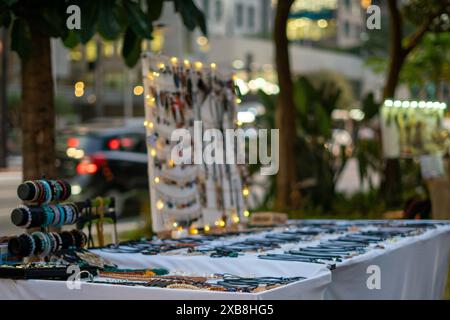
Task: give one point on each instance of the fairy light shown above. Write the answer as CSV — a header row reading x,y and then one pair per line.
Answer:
x,y
156,180
175,224
153,152
238,123
174,60
221,223
405,104
246,213
206,228
138,90
161,66
159,204
236,219
155,74
216,223
187,64
171,163
213,66
238,100
198,65
194,231
245,192
150,75
79,85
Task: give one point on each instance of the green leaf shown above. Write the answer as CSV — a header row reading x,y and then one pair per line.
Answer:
x,y
21,38
131,50
89,16
51,20
186,9
137,20
5,19
9,2
154,9
108,26
71,40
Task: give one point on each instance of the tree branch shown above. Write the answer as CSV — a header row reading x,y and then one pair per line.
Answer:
x,y
417,36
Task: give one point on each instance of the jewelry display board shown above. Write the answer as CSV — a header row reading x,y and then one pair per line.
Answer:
x,y
190,196
411,128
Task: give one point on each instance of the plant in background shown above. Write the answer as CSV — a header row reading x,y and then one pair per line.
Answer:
x,y
320,169
33,23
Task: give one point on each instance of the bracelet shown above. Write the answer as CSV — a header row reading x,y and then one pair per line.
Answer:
x,y
32,244
40,235
62,217
28,211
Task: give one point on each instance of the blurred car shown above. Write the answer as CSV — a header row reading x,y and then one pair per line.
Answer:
x,y
105,159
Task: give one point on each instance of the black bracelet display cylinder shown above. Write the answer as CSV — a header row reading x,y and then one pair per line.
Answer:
x,y
37,190
20,216
27,245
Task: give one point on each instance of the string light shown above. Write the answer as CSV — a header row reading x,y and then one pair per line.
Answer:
x,y
221,223
161,66
156,180
171,163
138,90
198,65
246,213
153,152
156,74
159,205
415,104
206,228
79,85
194,231
174,60
175,224
213,66
245,192
235,219
187,64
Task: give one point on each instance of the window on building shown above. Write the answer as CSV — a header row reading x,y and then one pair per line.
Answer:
x,y
347,28
348,4
251,17
239,15
218,10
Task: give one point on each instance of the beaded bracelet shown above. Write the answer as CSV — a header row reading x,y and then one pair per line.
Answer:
x,y
28,211
62,219
31,242
70,214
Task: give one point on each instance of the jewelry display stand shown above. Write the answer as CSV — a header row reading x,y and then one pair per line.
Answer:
x,y
189,198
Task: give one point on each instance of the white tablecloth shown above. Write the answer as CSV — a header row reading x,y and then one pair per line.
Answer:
x,y
312,288
411,268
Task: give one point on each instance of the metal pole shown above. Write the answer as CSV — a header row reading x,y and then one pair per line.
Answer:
x,y
128,94
98,82
4,99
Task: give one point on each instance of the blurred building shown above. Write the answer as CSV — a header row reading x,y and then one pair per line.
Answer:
x,y
325,35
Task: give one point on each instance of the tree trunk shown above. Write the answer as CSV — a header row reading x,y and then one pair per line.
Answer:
x,y
37,110
285,114
391,186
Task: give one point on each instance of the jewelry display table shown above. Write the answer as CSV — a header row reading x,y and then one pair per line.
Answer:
x,y
412,266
